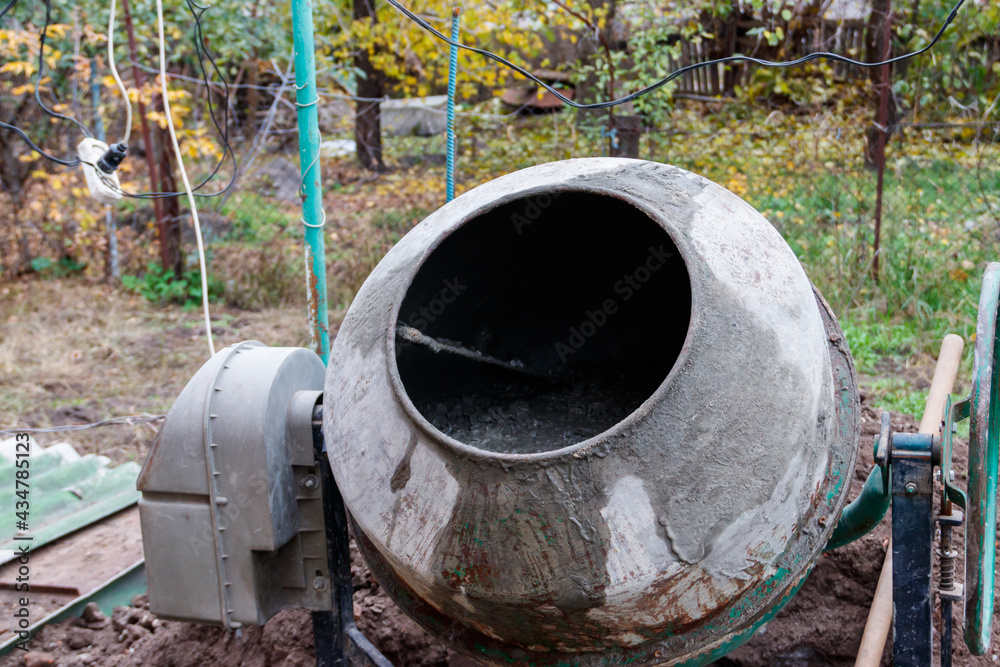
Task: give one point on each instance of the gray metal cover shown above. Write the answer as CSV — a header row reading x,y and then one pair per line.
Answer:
x,y
222,504
668,538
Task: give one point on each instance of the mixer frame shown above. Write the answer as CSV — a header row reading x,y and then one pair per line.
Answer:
x,y
338,639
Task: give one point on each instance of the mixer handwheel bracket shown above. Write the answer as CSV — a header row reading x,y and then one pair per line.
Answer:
x,y
984,452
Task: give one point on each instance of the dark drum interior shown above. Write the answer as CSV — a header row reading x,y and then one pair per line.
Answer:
x,y
543,322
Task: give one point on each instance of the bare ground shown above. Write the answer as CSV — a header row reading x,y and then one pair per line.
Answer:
x,y
71,352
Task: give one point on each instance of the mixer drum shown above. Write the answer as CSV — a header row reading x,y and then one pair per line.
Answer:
x,y
646,444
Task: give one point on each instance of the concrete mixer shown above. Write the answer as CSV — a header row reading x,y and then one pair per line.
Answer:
x,y
589,413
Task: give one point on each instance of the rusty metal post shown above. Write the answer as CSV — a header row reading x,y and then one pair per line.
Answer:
x,y
626,140
139,78
883,120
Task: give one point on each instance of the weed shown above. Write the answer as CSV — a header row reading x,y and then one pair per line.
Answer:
x,y
160,286
49,268
253,217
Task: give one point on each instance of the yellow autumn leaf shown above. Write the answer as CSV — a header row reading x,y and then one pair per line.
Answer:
x,y
18,67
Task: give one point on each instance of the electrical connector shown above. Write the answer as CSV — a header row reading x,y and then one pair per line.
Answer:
x,y
104,187
114,156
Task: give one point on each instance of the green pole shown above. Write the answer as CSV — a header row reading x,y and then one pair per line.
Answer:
x,y
313,217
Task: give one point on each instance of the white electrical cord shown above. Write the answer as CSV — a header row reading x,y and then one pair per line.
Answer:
x,y
118,79
184,177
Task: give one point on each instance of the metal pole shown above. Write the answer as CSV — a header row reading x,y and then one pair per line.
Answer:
x,y
109,220
452,76
883,120
338,640
313,218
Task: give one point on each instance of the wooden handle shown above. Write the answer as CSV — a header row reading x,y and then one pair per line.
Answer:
x,y
942,383
879,618
880,614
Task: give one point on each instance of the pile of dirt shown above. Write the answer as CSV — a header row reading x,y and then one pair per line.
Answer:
x,y
822,625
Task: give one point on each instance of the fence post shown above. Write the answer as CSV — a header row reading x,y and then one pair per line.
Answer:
x,y
313,217
883,121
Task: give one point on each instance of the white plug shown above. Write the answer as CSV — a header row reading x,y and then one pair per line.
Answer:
x,y
105,188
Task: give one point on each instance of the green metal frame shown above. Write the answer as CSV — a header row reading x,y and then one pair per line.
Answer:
x,y
983,409
984,455
313,217
864,512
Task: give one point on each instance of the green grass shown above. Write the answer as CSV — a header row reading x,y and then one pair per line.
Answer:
x,y
257,218
941,199
895,394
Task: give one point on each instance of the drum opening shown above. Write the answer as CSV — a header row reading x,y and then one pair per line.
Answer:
x,y
543,322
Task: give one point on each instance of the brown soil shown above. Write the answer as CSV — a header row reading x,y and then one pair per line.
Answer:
x,y
77,564
822,625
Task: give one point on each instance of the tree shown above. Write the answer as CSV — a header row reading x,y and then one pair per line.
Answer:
x,y
371,88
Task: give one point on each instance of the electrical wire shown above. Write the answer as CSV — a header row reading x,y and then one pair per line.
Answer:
x,y
7,8
41,68
118,79
678,72
130,420
19,132
73,162
203,53
184,176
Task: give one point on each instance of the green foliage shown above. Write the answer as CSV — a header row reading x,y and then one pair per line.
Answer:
x,y
49,268
255,218
159,285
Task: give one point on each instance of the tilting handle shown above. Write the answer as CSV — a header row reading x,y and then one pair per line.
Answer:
x,y
880,615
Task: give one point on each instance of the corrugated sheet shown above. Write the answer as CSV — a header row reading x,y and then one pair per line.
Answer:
x,y
66,492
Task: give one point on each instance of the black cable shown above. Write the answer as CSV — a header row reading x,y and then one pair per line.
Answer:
x,y
41,67
223,130
676,73
19,132
10,5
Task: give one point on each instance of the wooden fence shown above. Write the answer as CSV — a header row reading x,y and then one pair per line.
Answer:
x,y
731,37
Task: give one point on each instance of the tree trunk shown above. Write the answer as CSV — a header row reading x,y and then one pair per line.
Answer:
x,y
253,96
14,175
367,118
169,227
587,91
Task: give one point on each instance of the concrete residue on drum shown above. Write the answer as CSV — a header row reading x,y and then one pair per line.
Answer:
x,y
524,416
562,519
